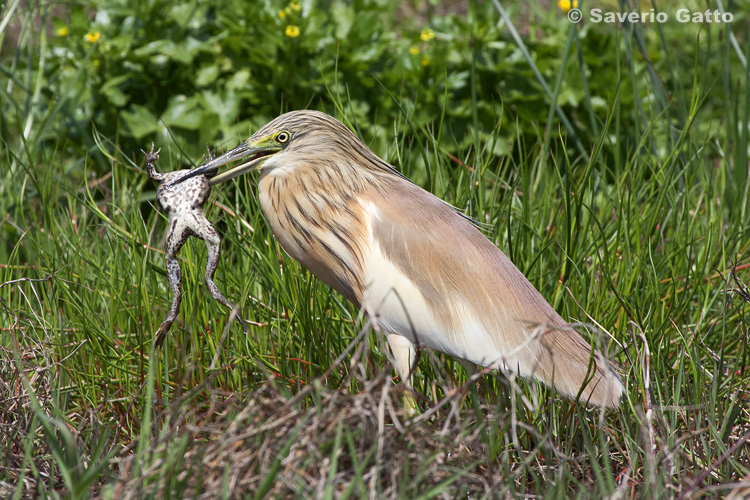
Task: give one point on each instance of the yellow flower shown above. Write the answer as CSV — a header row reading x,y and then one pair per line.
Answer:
x,y
414,50
63,31
292,31
92,36
427,35
295,6
566,5
425,61
282,14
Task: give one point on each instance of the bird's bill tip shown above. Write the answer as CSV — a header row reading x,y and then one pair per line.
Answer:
x,y
256,151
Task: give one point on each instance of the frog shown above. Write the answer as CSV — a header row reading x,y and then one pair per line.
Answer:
x,y
183,203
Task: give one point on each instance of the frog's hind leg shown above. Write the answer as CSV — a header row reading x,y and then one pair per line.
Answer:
x,y
210,235
176,238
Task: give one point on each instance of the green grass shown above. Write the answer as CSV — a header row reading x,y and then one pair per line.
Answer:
x,y
641,235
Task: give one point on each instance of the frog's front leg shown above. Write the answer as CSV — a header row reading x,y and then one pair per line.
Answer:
x,y
210,154
151,158
176,238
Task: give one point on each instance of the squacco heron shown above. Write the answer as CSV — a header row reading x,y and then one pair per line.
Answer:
x,y
421,270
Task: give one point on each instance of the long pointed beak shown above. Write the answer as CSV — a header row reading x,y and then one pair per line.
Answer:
x,y
254,151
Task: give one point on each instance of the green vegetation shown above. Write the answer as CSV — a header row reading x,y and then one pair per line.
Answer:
x,y
609,162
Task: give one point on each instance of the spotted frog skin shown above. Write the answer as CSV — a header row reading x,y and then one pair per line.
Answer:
x,y
183,202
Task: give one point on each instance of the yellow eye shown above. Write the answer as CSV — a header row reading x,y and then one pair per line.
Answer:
x,y
282,137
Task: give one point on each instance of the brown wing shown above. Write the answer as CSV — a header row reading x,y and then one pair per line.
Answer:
x,y
483,308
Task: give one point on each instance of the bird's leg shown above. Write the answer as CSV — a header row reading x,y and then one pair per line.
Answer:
x,y
176,238
210,235
404,357
151,158
469,367
480,385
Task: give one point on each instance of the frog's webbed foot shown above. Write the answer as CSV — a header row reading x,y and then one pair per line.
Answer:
x,y
235,312
162,332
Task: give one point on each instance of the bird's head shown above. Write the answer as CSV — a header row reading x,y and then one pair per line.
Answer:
x,y
290,140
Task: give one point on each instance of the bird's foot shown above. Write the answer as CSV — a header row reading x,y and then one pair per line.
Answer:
x,y
411,408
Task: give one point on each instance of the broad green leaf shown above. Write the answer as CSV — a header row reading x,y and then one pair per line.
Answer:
x,y
183,112
140,121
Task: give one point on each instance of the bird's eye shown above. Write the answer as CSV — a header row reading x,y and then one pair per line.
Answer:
x,y
282,137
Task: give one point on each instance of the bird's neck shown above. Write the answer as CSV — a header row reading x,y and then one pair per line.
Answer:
x,y
317,218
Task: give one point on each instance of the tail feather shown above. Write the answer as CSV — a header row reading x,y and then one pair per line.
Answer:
x,y
565,360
